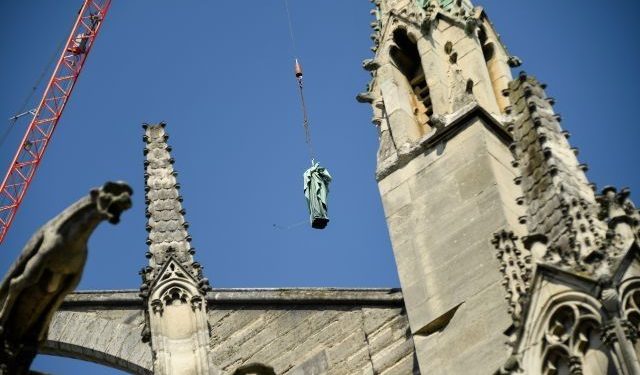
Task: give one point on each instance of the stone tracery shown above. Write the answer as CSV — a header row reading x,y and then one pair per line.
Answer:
x,y
570,332
631,306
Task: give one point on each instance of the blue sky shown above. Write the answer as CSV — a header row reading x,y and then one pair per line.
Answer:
x,y
221,77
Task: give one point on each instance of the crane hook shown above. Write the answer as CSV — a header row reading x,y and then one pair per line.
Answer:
x,y
298,70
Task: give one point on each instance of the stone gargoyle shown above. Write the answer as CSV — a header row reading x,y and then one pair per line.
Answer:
x,y
48,268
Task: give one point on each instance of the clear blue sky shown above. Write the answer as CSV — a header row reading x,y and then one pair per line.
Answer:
x,y
220,74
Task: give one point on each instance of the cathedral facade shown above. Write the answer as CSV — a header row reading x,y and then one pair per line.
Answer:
x,y
509,261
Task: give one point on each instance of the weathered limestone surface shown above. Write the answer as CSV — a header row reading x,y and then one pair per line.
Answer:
x,y
575,274
442,208
448,190
103,327
312,331
470,64
294,331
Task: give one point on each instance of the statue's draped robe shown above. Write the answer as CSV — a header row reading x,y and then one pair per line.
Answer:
x,y
316,190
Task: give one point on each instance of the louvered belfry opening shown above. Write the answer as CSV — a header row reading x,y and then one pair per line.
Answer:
x,y
407,60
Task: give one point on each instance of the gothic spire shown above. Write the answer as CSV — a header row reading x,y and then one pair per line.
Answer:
x,y
173,287
560,201
168,236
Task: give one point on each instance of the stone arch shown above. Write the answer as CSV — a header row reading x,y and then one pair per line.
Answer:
x,y
565,297
165,288
254,369
405,57
83,335
176,287
178,322
630,305
557,356
78,352
566,335
630,300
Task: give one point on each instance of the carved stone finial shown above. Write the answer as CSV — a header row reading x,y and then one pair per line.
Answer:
x,y
514,61
365,97
370,65
515,265
168,235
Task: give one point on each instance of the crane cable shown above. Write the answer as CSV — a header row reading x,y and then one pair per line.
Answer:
x,y
298,73
305,117
293,40
23,108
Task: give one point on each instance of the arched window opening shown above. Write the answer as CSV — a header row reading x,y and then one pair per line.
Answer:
x,y
497,69
488,49
406,57
571,341
596,355
255,369
631,310
556,363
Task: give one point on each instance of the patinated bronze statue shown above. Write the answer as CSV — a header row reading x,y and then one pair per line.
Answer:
x,y
316,190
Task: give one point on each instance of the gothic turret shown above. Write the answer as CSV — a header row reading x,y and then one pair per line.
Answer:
x,y
572,280
445,176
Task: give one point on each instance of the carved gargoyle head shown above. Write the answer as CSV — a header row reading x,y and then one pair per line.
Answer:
x,y
111,199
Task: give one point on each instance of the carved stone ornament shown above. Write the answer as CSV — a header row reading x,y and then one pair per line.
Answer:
x,y
197,303
631,313
157,306
568,334
515,265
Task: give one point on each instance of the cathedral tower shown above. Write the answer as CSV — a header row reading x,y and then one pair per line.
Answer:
x,y
445,174
473,165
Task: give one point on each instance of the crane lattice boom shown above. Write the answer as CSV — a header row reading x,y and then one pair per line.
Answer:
x,y
47,114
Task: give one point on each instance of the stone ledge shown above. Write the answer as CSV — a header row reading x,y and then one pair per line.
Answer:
x,y
119,298
273,296
325,296
453,124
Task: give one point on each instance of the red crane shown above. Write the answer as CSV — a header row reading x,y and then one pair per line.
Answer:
x,y
47,114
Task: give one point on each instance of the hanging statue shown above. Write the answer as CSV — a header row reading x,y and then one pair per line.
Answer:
x,y
316,190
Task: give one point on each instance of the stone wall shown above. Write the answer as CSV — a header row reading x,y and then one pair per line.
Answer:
x,y
442,208
104,327
295,331
321,331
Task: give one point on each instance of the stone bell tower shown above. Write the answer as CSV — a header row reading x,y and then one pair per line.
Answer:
x,y
445,174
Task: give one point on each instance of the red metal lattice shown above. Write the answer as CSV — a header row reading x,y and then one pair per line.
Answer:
x,y
46,117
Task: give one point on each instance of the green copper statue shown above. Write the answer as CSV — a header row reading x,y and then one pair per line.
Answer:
x,y
316,189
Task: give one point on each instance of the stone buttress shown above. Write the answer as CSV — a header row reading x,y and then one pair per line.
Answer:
x,y
573,281
173,287
444,174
